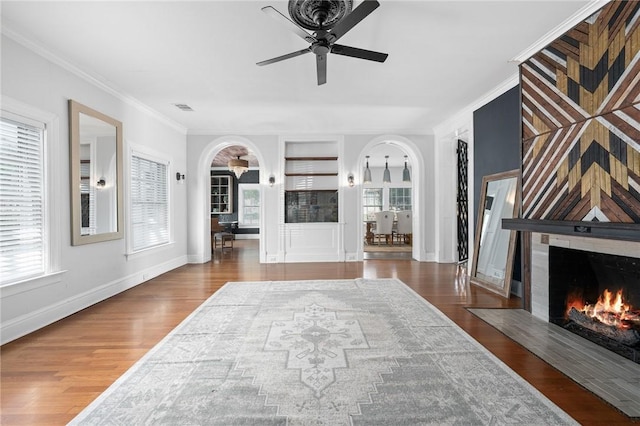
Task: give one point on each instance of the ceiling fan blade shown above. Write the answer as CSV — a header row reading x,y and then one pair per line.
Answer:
x,y
356,15
355,52
275,14
283,57
321,65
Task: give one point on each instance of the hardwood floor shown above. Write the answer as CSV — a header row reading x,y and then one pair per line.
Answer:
x,y
51,375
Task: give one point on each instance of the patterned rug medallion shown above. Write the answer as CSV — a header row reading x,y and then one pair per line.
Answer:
x,y
347,352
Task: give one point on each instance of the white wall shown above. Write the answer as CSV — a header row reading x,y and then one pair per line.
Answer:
x,y
202,148
445,175
95,271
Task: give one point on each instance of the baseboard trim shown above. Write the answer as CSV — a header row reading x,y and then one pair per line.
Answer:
x,y
28,323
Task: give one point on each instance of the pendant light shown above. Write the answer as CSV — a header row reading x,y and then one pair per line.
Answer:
x,y
406,176
367,173
386,176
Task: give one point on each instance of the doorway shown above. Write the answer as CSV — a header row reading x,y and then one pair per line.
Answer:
x,y
387,190
235,193
238,206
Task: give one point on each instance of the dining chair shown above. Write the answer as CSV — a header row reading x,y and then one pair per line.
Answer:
x,y
404,226
384,226
220,236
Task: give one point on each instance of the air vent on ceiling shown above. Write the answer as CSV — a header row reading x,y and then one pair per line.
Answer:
x,y
183,107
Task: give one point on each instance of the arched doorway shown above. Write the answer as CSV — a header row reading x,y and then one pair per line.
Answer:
x,y
399,150
219,150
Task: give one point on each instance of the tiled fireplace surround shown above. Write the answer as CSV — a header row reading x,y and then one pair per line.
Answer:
x,y
540,262
610,376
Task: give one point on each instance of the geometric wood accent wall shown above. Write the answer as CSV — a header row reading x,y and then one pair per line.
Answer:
x,y
581,121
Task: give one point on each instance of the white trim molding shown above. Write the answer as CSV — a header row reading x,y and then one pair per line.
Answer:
x,y
32,321
95,80
558,31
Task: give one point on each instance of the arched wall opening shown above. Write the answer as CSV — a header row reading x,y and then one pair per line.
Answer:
x,y
416,160
203,189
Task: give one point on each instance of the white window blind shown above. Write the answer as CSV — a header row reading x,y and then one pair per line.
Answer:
x,y
149,203
22,209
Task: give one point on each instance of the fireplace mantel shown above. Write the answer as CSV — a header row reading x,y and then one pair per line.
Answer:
x,y
606,230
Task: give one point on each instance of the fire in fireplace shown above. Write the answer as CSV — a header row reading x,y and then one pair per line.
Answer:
x,y
609,316
597,296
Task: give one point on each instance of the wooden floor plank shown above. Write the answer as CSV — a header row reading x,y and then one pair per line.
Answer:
x,y
50,375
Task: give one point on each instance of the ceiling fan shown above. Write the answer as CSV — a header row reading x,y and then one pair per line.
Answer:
x,y
329,20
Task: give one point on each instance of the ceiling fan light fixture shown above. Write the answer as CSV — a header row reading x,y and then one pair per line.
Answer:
x,y
367,173
386,176
406,175
238,166
329,20
317,15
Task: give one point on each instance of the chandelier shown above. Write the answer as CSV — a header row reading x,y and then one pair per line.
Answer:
x,y
238,166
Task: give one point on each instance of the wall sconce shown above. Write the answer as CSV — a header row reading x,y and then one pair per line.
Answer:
x,y
272,180
180,177
101,183
351,180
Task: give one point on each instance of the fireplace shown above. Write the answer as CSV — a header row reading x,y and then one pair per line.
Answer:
x,y
597,296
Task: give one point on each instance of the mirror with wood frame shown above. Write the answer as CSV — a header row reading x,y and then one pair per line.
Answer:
x,y
96,151
494,252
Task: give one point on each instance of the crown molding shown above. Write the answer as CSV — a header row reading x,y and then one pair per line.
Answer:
x,y
277,132
461,117
558,31
582,14
95,80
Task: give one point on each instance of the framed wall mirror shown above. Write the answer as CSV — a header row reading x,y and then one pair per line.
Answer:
x,y
96,150
494,252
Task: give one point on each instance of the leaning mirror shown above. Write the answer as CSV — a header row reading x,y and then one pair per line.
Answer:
x,y
494,246
96,175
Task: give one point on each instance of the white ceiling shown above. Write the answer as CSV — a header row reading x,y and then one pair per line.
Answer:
x,y
443,56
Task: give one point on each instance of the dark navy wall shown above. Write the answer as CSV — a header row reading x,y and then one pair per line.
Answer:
x,y
496,147
250,176
496,139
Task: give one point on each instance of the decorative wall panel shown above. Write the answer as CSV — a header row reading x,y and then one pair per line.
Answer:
x,y
463,201
581,121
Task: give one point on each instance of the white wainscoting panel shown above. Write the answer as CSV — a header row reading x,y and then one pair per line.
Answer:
x,y
313,242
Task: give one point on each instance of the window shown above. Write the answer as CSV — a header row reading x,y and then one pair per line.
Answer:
x,y
22,201
149,202
371,202
399,199
249,206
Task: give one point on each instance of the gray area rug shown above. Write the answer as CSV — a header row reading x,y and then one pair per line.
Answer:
x,y
346,352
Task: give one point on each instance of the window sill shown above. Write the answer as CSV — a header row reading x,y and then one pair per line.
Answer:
x,y
149,251
30,284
